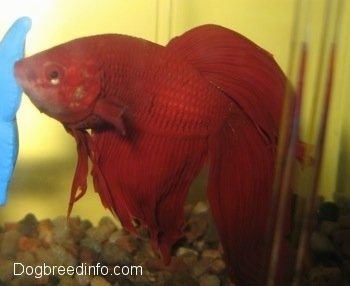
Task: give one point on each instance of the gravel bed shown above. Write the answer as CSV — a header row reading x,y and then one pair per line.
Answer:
x,y
76,242
330,246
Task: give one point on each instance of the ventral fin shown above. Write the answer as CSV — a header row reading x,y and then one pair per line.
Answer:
x,y
111,111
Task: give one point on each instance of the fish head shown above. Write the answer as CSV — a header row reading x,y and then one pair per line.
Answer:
x,y
63,82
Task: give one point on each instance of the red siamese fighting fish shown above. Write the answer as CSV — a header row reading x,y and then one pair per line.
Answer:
x,y
149,117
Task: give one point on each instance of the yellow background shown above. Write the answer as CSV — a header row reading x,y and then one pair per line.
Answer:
x,y
47,157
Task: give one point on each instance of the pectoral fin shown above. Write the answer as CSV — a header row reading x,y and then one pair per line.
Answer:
x,y
112,112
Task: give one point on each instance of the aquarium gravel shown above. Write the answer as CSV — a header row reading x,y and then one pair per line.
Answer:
x,y
77,243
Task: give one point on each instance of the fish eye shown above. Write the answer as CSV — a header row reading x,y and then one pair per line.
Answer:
x,y
54,73
54,77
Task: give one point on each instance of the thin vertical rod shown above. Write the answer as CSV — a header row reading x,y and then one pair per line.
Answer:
x,y
319,150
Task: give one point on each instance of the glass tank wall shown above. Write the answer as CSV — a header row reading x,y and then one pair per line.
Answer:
x,y
47,154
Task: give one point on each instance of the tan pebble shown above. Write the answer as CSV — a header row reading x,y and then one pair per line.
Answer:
x,y
112,253
183,251
68,281
108,222
196,227
62,256
45,231
83,280
99,233
200,208
211,253
99,281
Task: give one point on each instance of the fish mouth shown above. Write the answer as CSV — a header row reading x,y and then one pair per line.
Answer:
x,y
27,79
23,75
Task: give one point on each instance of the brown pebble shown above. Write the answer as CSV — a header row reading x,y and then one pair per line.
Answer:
x,y
60,229
202,266
9,244
209,280
68,281
28,244
183,251
175,265
92,244
10,226
346,249
126,241
340,236
26,257
113,254
99,233
28,225
181,279
323,276
77,229
62,256
6,271
44,255
217,266
45,231
87,255
71,247
196,227
344,221
328,227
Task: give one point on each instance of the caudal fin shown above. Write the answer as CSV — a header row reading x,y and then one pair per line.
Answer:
x,y
242,154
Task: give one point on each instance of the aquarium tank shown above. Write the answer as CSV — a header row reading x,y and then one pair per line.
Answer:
x,y
174,142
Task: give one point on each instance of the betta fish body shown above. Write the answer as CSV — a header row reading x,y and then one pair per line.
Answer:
x,y
157,115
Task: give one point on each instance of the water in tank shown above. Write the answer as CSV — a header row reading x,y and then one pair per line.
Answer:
x,y
172,142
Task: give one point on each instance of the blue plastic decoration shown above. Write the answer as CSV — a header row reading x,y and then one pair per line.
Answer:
x,y
11,50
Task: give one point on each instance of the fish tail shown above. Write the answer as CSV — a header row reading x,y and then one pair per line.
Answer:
x,y
242,153
239,190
